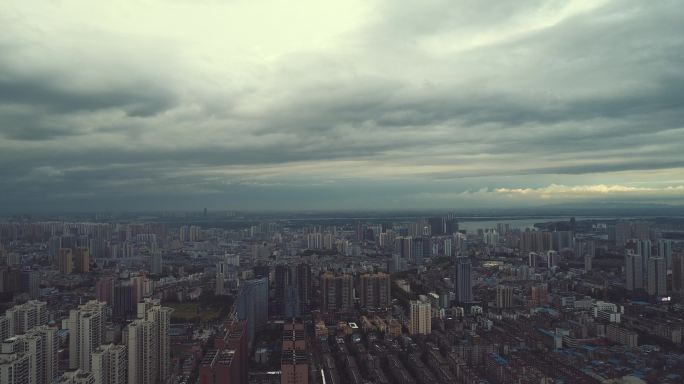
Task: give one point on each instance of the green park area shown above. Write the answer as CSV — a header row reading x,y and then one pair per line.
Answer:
x,y
189,312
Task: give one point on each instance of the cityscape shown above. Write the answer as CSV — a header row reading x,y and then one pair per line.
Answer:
x,y
341,192
225,297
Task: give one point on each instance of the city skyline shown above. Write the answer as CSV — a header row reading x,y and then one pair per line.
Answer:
x,y
350,105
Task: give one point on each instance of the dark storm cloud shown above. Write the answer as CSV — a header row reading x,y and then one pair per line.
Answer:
x,y
61,98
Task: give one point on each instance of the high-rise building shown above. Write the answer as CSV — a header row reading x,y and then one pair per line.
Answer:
x,y
588,263
504,296
65,261
641,230
98,248
451,225
337,292
161,317
420,317
40,345
540,295
463,281
86,326
678,273
535,241
448,247
626,230
49,361
110,364
403,246
15,368
665,251
10,279
6,327
156,266
283,280
54,245
314,240
227,364
657,274
81,260
375,290
304,287
584,248
552,259
634,271
533,259
562,240
225,270
104,289
261,271
643,248
124,299
149,350
437,226
142,352
78,377
184,234
252,305
292,289
30,283
218,366
24,345
21,318
623,232
294,364
418,251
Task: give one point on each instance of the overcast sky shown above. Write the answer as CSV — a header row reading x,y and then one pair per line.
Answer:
x,y
303,104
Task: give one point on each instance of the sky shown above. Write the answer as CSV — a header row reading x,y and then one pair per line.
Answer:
x,y
354,104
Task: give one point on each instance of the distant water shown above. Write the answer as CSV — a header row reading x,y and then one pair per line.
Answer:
x,y
473,226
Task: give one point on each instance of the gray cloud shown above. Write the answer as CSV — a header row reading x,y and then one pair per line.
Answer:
x,y
417,98
42,92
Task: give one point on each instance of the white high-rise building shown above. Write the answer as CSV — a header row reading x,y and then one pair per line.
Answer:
x,y
78,377
28,315
86,332
142,352
15,368
40,345
110,364
533,259
657,274
161,317
420,317
6,327
149,353
634,271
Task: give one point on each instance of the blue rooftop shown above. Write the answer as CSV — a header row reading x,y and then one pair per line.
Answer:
x,y
498,358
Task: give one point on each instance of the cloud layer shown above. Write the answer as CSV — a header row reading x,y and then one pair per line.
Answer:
x,y
268,105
